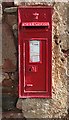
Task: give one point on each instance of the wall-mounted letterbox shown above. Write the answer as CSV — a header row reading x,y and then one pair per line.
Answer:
x,y
35,51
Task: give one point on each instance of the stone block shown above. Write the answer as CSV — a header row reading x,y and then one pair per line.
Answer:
x,y
10,10
19,104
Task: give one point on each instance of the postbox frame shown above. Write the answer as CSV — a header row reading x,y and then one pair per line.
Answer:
x,y
22,93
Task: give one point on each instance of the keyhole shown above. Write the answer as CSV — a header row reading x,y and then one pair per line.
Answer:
x,y
30,69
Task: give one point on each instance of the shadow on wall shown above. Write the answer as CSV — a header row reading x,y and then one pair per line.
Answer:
x,y
68,56
10,62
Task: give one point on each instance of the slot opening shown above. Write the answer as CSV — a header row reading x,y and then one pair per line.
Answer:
x,y
35,27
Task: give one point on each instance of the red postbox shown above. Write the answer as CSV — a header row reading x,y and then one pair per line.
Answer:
x,y
35,51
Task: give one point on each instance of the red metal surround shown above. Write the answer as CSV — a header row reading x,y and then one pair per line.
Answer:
x,y
35,51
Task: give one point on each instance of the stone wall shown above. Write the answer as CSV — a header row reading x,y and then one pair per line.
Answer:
x,y
57,107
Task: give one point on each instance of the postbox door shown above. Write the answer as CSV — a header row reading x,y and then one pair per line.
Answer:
x,y
35,61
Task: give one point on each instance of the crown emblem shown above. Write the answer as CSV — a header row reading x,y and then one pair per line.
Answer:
x,y
36,15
